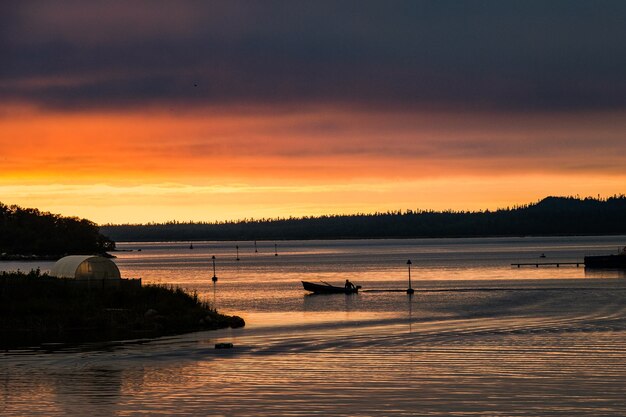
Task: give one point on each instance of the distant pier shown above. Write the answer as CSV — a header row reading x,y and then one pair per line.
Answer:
x,y
538,264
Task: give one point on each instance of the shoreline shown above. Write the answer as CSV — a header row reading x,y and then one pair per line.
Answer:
x,y
16,257
52,258
365,238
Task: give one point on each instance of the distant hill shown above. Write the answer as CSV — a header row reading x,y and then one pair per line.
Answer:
x,y
550,216
31,233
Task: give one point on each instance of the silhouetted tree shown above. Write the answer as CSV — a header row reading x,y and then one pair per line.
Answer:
x,y
27,231
550,216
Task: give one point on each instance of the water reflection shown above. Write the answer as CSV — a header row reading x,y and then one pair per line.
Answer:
x,y
477,337
524,350
605,273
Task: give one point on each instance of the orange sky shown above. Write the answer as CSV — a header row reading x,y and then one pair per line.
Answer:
x,y
241,162
153,110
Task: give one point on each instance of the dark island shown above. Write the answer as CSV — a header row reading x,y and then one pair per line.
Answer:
x,y
36,308
552,216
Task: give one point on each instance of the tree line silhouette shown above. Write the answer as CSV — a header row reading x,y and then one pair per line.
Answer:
x,y
30,232
550,216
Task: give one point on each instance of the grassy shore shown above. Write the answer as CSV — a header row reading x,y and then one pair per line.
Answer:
x,y
36,308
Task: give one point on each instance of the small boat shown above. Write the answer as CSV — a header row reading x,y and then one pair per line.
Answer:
x,y
326,288
607,261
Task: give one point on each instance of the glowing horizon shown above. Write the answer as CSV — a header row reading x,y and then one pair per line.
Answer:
x,y
154,166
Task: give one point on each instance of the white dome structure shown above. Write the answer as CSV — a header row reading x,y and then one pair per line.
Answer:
x,y
86,268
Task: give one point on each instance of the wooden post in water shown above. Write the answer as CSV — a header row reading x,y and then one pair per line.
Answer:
x,y
214,279
410,290
275,249
237,247
255,249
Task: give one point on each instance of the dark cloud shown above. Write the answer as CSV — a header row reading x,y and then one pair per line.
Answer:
x,y
518,55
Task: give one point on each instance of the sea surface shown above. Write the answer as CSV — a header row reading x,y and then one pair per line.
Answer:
x,y
478,337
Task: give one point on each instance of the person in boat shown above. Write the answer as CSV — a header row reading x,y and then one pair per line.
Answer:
x,y
349,285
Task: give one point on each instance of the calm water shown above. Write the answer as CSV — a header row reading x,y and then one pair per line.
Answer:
x,y
478,337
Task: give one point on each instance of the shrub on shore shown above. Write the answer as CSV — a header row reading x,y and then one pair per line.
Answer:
x,y
36,308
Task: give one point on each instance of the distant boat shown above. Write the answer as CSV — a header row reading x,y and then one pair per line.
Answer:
x,y
328,289
607,261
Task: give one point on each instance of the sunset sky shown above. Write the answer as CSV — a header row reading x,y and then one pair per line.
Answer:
x,y
139,111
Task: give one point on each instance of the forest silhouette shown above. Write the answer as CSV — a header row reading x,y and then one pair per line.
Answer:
x,y
30,232
550,216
